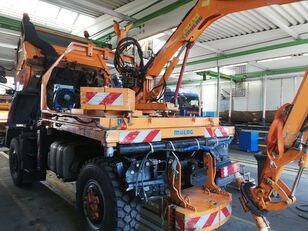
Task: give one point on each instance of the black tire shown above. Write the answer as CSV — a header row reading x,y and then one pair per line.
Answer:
x,y
98,179
15,161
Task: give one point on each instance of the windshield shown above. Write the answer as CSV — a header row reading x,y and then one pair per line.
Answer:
x,y
188,101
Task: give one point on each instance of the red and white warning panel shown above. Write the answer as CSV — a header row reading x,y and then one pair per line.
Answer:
x,y
104,98
212,211
219,132
115,99
141,136
204,222
229,170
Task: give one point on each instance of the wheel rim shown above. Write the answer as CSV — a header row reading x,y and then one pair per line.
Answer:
x,y
93,204
14,162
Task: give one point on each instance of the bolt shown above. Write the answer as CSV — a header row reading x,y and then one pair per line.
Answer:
x,y
268,181
147,164
287,201
137,165
261,206
132,172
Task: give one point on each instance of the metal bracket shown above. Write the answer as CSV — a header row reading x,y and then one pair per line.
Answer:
x,y
174,181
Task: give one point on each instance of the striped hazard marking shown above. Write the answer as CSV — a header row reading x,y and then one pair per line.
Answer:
x,y
104,98
140,136
229,170
205,221
216,132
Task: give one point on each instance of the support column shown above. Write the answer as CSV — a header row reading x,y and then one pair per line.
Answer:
x,y
247,96
218,92
264,99
230,102
281,92
201,100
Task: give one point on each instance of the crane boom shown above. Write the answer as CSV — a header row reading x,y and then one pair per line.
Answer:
x,y
200,17
286,143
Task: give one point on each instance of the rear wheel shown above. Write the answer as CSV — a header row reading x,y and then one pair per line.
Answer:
x,y
100,201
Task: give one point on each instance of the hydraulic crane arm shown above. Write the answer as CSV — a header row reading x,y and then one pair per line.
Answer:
x,y
201,16
286,143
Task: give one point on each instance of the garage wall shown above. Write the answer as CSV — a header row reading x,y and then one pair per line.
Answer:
x,y
279,91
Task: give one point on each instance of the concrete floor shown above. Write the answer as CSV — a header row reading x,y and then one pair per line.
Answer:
x,y
48,206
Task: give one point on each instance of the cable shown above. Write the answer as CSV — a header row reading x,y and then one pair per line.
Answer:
x,y
98,125
302,208
84,122
163,91
76,118
132,75
141,169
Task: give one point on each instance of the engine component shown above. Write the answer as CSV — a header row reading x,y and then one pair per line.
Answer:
x,y
64,97
116,81
69,77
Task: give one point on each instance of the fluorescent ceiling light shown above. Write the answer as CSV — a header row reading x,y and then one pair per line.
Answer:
x,y
7,60
186,72
178,74
235,65
274,59
9,46
9,32
306,54
201,70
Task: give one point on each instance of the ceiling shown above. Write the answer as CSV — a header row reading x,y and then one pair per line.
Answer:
x,y
90,7
262,40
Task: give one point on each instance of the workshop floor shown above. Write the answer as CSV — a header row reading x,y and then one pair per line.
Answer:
x,y
48,206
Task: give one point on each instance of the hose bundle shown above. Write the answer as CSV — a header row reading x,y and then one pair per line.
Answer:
x,y
133,74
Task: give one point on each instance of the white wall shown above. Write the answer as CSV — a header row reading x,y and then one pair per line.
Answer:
x,y
280,90
10,83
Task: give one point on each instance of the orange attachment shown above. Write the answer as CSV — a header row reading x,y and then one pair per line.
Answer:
x,y
121,33
274,138
212,210
175,186
113,99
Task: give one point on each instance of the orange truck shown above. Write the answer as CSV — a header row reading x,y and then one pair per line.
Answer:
x,y
123,146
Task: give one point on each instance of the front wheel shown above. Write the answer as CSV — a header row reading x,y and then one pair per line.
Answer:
x,y
100,201
15,162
